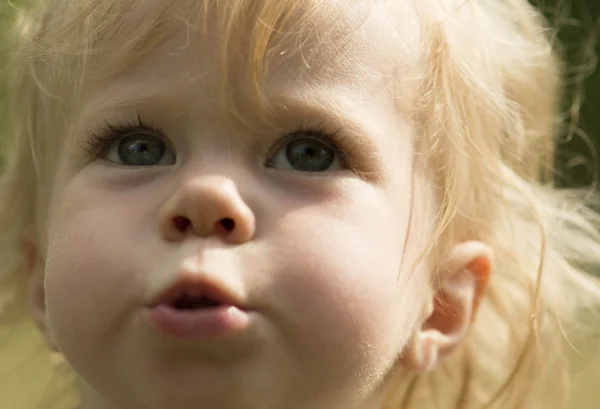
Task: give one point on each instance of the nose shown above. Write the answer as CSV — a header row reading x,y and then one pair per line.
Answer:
x,y
209,206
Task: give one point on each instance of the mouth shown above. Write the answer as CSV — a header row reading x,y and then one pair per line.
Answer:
x,y
197,308
189,294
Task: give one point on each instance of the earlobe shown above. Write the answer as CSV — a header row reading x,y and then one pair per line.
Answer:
x,y
36,293
462,281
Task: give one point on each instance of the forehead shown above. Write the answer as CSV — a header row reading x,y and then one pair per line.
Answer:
x,y
275,42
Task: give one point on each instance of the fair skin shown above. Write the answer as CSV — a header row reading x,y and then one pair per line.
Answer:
x,y
319,261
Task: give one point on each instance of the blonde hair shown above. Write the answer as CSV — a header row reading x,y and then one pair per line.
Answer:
x,y
486,111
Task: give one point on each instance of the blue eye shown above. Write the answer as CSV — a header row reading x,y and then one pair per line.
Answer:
x,y
133,143
140,150
308,153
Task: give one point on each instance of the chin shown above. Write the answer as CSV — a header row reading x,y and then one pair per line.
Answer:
x,y
216,386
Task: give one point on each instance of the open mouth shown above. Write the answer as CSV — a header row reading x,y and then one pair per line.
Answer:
x,y
193,302
197,308
188,295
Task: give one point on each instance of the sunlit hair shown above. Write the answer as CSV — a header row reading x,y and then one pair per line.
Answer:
x,y
486,110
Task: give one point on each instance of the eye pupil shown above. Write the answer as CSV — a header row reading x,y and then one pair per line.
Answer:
x,y
141,150
309,155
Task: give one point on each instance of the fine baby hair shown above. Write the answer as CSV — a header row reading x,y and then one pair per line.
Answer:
x,y
287,204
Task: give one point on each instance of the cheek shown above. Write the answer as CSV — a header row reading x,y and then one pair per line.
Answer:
x,y
353,303
92,268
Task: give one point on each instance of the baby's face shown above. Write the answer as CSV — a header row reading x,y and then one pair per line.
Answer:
x,y
286,245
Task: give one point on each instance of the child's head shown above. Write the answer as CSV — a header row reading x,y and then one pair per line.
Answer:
x,y
331,202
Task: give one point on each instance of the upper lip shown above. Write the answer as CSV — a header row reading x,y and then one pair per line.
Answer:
x,y
198,286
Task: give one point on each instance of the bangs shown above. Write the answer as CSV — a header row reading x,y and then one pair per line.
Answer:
x,y
99,39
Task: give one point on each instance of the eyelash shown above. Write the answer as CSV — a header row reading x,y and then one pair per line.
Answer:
x,y
103,139
333,139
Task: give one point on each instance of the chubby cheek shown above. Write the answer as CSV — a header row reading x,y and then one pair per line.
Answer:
x,y
90,276
352,304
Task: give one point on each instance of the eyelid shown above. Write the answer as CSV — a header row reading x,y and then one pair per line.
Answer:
x,y
362,154
100,140
348,140
333,139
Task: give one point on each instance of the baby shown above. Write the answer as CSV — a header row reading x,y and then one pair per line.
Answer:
x,y
287,204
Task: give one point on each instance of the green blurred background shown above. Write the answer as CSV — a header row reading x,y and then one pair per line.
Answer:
x,y
578,22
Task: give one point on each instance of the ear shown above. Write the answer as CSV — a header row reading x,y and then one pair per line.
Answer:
x,y
36,294
451,310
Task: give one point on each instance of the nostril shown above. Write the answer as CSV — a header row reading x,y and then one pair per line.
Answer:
x,y
181,223
227,224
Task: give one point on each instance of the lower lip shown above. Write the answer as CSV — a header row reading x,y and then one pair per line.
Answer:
x,y
205,323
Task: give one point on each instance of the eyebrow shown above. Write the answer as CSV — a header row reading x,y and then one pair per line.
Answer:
x,y
98,109
341,110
